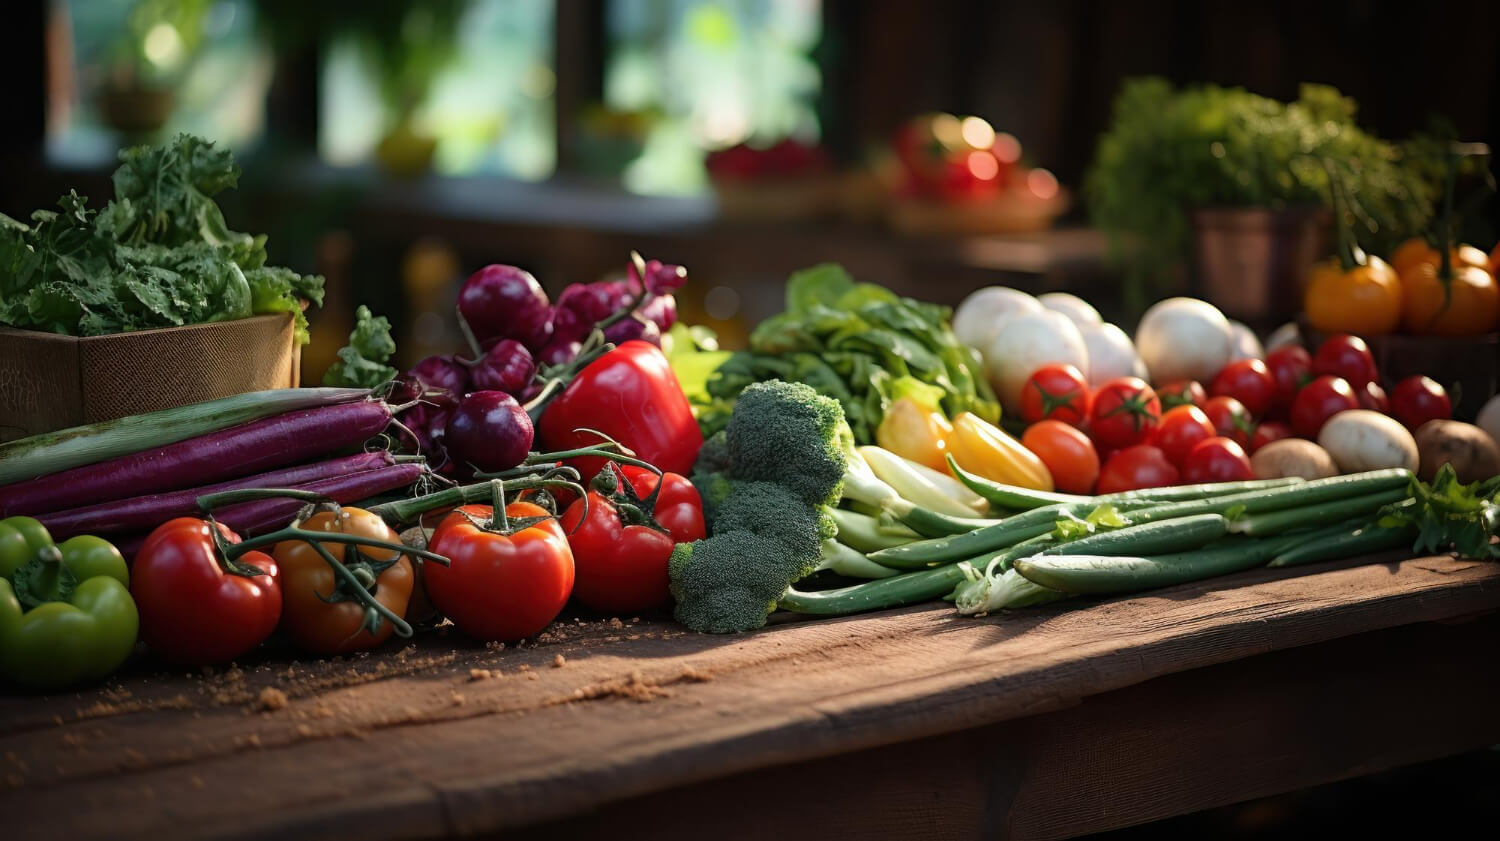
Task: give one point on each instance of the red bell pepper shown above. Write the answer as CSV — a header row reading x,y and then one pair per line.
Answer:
x,y
631,395
622,545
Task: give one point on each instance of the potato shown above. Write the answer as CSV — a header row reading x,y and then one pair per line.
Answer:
x,y
1361,439
1292,457
1470,450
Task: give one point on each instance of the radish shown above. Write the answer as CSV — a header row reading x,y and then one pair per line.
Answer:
x,y
504,302
1079,311
1024,342
507,366
1246,345
977,317
1111,354
490,431
238,451
1184,339
143,513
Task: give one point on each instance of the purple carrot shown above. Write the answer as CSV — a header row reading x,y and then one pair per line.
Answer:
x,y
149,511
262,515
238,451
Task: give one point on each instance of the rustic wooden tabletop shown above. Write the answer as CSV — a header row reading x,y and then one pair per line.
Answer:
x,y
1044,722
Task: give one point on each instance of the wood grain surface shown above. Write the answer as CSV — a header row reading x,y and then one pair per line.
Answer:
x,y
445,737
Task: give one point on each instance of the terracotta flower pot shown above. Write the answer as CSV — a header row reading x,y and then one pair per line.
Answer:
x,y
1252,262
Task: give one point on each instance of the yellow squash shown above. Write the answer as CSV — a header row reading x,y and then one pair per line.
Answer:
x,y
984,449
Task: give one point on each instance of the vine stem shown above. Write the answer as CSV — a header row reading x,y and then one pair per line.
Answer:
x,y
398,624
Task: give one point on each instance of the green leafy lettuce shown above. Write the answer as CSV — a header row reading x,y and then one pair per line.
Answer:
x,y
361,363
159,254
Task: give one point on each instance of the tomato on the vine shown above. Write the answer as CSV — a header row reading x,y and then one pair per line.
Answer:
x,y
1320,400
501,583
1268,431
1181,393
1417,400
1217,459
196,606
1068,453
1291,368
1346,356
1124,412
1141,466
319,612
1230,419
1248,381
1181,429
1058,392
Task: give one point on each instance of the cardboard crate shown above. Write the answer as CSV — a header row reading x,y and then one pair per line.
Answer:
x,y
49,381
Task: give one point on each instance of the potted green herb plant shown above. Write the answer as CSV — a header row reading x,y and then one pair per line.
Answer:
x,y
1236,180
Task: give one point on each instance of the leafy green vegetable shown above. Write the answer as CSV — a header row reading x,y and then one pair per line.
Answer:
x,y
854,342
362,362
158,255
1451,516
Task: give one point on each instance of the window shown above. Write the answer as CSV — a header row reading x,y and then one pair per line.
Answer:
x,y
469,82
712,73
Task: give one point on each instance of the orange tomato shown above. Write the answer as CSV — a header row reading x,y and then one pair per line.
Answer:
x,y
1416,251
1469,305
1068,454
1365,300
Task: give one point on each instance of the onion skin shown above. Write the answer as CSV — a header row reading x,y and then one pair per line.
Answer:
x,y
1473,453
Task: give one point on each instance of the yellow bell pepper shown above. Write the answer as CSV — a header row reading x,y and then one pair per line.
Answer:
x,y
986,450
915,432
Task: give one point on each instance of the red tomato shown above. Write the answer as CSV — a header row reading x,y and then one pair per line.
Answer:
x,y
1141,466
194,608
1069,454
1230,419
1291,368
1181,429
1318,401
1124,412
500,586
1372,397
1348,357
1417,400
1248,381
1181,393
1268,431
1217,460
1056,391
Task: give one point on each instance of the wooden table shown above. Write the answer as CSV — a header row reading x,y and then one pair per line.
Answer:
x,y
1041,723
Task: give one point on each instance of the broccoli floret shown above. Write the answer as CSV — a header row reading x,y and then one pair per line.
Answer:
x,y
713,456
770,510
789,434
729,582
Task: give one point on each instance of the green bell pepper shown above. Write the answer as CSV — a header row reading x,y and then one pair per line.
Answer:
x,y
66,615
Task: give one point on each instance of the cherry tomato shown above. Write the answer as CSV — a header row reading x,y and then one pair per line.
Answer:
x,y
1124,412
1181,393
195,608
1248,381
1348,357
1417,400
1141,466
1291,367
1320,400
500,586
1268,431
1230,419
1372,397
1056,391
1217,460
1068,453
1181,429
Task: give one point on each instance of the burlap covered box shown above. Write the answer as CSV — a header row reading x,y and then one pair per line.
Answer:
x,y
52,382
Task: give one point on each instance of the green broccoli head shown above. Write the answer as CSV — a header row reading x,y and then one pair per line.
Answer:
x,y
728,582
713,456
789,434
773,511
713,489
